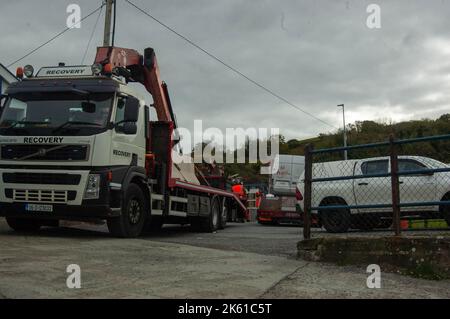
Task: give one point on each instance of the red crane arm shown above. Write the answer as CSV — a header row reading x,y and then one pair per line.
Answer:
x,y
142,69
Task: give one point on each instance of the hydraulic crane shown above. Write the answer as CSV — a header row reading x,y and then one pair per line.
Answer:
x,y
143,69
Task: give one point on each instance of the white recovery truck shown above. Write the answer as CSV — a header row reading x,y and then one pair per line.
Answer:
x,y
364,202
77,143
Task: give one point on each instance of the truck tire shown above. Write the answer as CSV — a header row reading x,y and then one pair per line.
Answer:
x,y
133,217
23,224
211,223
336,220
224,214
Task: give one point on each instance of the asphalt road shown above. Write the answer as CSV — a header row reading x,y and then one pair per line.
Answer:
x,y
252,237
248,237
240,237
242,261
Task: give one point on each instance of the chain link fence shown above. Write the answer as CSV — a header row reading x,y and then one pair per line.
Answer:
x,y
390,186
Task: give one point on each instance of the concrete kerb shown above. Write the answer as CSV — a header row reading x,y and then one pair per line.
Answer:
x,y
419,256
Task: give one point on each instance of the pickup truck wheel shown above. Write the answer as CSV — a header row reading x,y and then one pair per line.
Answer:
x,y
23,224
133,216
335,220
211,223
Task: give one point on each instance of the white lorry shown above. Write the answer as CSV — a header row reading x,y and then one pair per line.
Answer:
x,y
284,180
365,202
76,142
281,207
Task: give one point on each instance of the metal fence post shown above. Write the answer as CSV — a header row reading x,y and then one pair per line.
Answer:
x,y
395,185
308,192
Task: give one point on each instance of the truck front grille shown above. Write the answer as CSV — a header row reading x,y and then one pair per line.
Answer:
x,y
38,152
40,196
42,178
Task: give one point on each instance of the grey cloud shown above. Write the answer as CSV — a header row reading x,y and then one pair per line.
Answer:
x,y
315,53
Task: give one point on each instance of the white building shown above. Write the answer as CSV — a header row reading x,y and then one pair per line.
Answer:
x,y
6,77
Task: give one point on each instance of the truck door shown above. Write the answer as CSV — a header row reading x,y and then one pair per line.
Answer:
x,y
372,190
416,188
127,148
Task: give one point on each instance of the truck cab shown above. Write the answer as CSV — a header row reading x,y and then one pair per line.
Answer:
x,y
69,138
77,143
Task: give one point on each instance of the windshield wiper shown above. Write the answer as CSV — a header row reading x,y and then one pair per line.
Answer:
x,y
24,122
68,123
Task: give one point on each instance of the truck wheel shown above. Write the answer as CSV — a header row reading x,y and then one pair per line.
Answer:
x,y
133,216
23,225
224,214
335,220
211,223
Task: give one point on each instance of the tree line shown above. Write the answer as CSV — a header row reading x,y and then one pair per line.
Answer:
x,y
363,132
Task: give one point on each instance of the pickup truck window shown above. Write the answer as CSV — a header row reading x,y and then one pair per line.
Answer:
x,y
405,165
375,167
435,164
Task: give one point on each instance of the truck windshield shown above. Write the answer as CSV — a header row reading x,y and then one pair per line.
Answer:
x,y
56,114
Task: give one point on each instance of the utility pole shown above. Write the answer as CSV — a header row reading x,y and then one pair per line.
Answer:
x,y
345,129
107,30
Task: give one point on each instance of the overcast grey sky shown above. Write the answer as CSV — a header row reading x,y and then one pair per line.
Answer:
x,y
315,53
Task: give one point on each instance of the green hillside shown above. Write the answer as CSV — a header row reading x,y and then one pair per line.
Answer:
x,y
364,132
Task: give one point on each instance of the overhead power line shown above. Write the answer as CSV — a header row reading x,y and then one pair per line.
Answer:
x,y
53,38
271,92
92,35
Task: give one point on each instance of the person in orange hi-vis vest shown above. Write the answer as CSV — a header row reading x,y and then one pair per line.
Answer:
x,y
239,190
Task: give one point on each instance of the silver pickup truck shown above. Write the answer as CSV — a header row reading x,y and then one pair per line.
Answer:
x,y
419,193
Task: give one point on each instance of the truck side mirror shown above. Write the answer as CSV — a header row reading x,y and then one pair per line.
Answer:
x,y
131,113
129,128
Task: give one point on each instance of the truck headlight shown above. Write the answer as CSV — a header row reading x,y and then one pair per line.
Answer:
x,y
92,190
